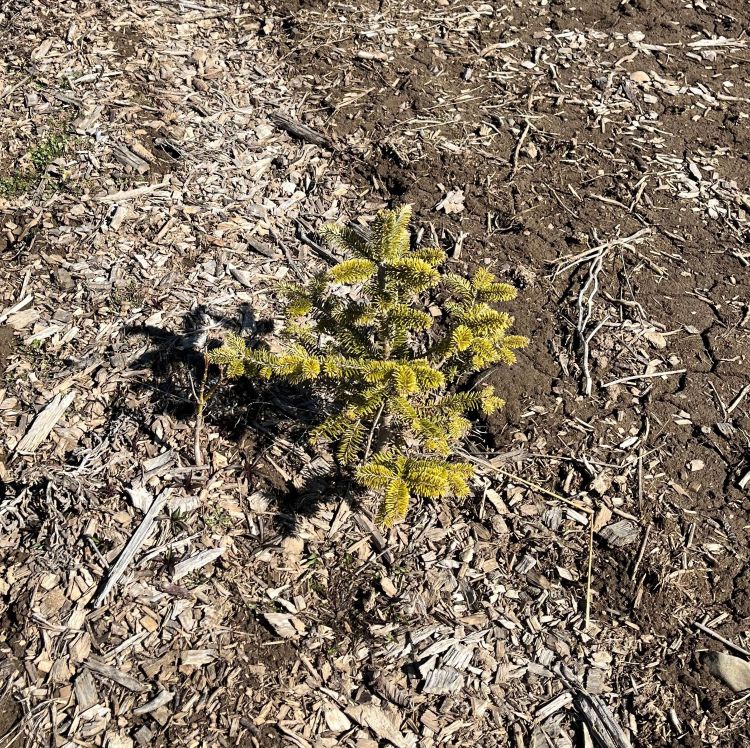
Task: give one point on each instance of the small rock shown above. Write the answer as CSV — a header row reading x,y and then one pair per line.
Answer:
x,y
640,76
635,37
531,150
734,671
144,736
336,720
656,338
695,465
264,132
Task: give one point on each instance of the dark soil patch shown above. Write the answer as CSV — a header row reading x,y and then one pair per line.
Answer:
x,y
10,716
126,41
267,663
262,647
11,713
7,346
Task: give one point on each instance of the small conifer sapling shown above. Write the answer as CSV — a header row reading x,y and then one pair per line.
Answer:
x,y
363,335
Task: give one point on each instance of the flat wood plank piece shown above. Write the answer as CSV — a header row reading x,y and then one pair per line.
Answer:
x,y
44,423
299,131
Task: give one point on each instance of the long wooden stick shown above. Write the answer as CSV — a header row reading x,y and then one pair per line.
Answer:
x,y
298,130
129,551
587,614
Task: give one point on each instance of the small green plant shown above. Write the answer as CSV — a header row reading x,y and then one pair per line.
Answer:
x,y
46,151
40,156
217,518
393,380
178,520
15,184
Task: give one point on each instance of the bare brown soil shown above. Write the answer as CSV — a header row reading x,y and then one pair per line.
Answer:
x,y
10,717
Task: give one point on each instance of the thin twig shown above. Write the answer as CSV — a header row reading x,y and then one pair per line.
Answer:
x,y
489,466
706,630
587,612
375,422
303,231
517,150
585,311
738,400
640,477
569,262
635,377
200,397
641,552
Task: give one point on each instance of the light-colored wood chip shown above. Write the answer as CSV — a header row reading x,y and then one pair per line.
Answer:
x,y
44,423
132,547
198,561
117,676
443,680
382,724
287,626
